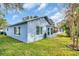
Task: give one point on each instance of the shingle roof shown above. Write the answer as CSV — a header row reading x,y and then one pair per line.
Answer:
x,y
46,18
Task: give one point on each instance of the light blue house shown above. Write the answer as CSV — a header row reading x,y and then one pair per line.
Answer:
x,y
32,29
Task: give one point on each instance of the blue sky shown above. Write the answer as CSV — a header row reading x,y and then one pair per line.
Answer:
x,y
52,10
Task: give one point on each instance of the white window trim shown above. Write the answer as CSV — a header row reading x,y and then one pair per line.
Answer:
x,y
16,32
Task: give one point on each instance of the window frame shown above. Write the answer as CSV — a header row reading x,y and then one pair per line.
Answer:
x,y
39,30
7,29
51,31
17,30
48,31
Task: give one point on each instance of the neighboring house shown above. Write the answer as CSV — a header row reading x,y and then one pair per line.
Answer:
x,y
31,30
1,30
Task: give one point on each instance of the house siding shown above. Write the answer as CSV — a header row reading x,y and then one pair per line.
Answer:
x,y
23,32
31,29
28,30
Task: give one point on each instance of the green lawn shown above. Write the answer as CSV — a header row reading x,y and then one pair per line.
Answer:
x,y
55,46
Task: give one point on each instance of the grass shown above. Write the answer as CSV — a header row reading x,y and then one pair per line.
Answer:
x,y
55,46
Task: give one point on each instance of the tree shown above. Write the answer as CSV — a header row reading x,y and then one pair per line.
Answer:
x,y
65,28
73,23
5,7
12,6
3,23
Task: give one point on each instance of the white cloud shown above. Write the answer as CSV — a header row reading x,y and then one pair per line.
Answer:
x,y
57,17
64,10
42,5
14,17
51,11
29,5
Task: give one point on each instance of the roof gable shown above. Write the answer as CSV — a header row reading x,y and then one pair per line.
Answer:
x,y
45,17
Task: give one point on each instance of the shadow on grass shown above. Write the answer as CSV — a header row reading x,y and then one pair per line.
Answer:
x,y
7,39
62,35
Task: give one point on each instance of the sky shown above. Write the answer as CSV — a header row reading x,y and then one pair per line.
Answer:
x,y
54,11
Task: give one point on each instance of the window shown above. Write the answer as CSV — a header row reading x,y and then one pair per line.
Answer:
x,y
48,31
39,30
14,30
17,30
51,31
7,29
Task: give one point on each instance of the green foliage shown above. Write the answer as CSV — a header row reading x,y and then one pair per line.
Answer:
x,y
3,22
65,28
56,46
77,9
